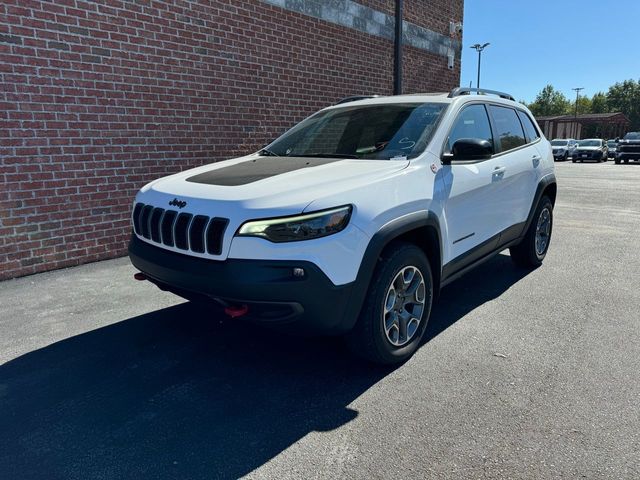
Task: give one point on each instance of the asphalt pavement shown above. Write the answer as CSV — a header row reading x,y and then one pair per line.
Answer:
x,y
523,374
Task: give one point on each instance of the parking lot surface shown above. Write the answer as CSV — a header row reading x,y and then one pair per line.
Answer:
x,y
523,375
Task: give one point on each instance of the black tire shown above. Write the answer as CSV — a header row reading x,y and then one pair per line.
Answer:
x,y
566,156
573,160
617,160
368,339
525,254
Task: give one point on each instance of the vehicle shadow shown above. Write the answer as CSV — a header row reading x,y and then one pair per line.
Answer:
x,y
176,393
477,287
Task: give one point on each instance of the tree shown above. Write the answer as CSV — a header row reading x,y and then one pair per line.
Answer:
x,y
550,102
625,97
584,105
599,103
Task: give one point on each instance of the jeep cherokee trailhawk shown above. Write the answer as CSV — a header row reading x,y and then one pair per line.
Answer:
x,y
352,221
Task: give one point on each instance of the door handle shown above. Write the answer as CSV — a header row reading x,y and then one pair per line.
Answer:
x,y
536,160
498,173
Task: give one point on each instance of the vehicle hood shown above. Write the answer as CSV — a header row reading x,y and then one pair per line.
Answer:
x,y
255,183
588,149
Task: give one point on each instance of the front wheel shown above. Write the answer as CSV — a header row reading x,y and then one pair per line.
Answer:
x,y
530,252
397,307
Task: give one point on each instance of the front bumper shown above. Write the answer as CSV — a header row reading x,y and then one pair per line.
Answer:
x,y
588,155
311,304
627,155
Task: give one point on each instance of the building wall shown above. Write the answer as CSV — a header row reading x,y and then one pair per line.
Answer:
x,y
99,97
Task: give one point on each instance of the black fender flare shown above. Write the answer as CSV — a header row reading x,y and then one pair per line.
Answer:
x,y
543,184
383,237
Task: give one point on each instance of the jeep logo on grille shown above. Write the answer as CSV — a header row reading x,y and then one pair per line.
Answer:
x,y
178,203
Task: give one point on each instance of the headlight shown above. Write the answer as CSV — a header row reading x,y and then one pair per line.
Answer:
x,y
299,227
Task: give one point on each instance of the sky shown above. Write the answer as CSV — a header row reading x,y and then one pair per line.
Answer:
x,y
566,43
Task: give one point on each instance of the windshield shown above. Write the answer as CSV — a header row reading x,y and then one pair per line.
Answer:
x,y
559,143
632,136
367,132
611,143
590,143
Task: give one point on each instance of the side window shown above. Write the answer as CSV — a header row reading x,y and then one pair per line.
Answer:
x,y
508,127
472,122
530,129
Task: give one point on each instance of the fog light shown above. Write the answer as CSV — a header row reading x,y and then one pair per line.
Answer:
x,y
298,272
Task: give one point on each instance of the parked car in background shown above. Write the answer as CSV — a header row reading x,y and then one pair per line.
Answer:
x,y
563,148
612,147
628,148
590,149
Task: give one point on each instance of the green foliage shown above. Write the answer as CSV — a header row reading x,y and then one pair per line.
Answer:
x,y
584,105
550,102
625,97
599,103
622,97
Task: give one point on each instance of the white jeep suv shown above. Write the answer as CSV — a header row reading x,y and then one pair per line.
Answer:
x,y
352,221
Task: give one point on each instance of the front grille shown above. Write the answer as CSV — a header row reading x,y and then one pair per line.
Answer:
x,y
185,231
629,148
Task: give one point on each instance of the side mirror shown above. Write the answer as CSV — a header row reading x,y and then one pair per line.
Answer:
x,y
469,149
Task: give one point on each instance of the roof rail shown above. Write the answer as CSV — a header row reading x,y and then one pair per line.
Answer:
x,y
354,98
456,92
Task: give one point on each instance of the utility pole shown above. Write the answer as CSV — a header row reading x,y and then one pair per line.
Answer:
x,y
397,51
479,48
575,116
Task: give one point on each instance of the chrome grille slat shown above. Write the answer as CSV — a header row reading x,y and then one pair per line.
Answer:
x,y
166,227
154,223
215,234
196,233
181,231
144,221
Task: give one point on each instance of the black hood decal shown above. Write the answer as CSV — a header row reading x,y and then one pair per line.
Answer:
x,y
256,170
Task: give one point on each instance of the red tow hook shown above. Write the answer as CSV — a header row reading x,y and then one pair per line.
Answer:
x,y
139,276
236,311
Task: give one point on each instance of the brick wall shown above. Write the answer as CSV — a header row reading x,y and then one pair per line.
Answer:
x,y
99,97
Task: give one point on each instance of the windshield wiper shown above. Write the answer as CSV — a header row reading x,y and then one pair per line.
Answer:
x,y
267,153
325,155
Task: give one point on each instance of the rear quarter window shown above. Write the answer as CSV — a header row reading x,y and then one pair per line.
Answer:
x,y
530,130
509,130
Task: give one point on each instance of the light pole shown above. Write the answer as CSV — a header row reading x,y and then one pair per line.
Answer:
x,y
479,48
575,115
397,51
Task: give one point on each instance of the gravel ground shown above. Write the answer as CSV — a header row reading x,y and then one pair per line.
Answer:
x,y
524,374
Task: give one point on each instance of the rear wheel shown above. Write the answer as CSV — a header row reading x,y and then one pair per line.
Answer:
x,y
531,251
397,307
617,160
